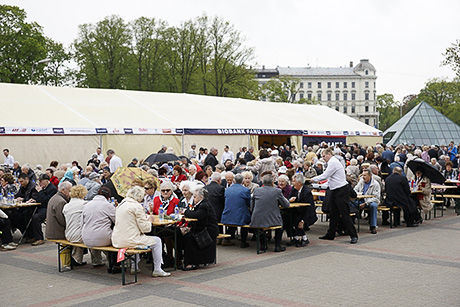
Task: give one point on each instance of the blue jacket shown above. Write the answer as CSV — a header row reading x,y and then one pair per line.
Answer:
x,y
237,201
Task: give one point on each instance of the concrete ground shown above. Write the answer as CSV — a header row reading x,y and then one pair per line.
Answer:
x,y
397,267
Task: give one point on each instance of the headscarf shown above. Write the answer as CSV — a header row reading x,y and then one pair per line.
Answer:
x,y
68,175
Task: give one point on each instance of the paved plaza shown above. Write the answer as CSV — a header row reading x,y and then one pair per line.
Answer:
x,y
397,267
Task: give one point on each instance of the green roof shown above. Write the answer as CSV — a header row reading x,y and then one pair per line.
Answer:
x,y
423,125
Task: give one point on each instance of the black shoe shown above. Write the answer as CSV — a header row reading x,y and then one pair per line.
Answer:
x,y
412,225
373,230
294,242
386,223
302,243
244,245
326,238
114,270
419,221
279,249
190,268
354,240
75,263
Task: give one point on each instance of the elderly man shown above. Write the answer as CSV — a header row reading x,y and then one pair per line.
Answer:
x,y
229,179
265,207
61,172
16,169
339,198
163,149
236,211
25,169
211,159
369,186
249,156
216,196
55,221
8,159
46,190
115,161
227,155
192,153
399,194
302,217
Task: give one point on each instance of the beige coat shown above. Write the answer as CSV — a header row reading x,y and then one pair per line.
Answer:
x,y
130,225
425,186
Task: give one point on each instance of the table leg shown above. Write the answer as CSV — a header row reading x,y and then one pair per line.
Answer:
x,y
28,224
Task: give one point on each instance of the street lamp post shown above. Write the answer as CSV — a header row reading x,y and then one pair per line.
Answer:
x,y
33,66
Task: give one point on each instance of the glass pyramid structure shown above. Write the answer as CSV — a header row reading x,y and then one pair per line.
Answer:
x,y
423,125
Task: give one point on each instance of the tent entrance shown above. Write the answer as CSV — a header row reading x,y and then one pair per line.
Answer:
x,y
266,141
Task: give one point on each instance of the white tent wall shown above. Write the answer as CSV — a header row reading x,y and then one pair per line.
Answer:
x,y
364,140
254,142
39,149
218,141
296,140
131,146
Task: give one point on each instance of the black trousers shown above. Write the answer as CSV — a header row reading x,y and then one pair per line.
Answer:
x,y
36,226
244,233
339,210
5,227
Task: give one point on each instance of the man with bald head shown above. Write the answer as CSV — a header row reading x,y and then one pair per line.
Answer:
x,y
229,179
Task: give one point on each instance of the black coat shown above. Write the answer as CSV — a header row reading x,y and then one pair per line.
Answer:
x,y
398,193
307,213
216,198
211,160
28,192
204,213
248,156
45,195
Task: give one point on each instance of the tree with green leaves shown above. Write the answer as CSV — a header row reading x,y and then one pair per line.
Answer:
x,y
103,54
389,111
284,89
452,57
21,45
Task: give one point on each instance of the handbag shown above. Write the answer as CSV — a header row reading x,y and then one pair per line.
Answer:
x,y
202,238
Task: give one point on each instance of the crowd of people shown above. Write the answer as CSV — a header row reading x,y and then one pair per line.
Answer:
x,y
237,189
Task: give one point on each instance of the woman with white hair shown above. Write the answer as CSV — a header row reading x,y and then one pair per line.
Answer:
x,y
353,168
166,198
131,224
247,181
187,188
283,184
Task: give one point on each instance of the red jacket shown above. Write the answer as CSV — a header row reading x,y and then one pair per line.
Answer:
x,y
179,178
157,203
54,180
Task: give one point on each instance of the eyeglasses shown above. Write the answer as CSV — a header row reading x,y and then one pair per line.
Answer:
x,y
165,191
148,188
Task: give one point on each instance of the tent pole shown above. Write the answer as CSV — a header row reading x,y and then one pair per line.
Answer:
x,y
182,141
100,141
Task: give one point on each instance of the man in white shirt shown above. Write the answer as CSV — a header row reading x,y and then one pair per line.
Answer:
x,y
115,162
339,198
8,160
227,155
99,154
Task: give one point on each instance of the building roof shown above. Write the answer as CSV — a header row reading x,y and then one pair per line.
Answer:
x,y
28,107
317,71
423,125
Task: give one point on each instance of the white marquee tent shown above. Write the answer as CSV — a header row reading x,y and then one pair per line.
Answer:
x,y
42,123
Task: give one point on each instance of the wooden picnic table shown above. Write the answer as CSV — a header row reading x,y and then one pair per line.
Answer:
x,y
322,194
20,205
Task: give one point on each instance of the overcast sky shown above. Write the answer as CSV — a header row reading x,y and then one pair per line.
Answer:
x,y
404,40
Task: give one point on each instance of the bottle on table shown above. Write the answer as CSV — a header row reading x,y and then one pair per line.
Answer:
x,y
161,213
176,212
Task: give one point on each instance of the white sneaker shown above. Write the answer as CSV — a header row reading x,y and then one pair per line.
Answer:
x,y
8,247
133,271
160,274
13,244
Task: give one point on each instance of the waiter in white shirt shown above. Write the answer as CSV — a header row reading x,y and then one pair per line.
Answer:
x,y
8,160
340,197
115,162
227,155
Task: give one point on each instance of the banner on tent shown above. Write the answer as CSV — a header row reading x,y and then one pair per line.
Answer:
x,y
230,131
329,140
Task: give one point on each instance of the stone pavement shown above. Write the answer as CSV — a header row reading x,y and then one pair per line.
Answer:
x,y
397,267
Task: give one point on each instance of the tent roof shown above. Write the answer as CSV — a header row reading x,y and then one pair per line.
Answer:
x,y
423,125
64,107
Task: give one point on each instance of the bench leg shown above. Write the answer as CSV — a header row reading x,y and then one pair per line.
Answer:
x,y
61,249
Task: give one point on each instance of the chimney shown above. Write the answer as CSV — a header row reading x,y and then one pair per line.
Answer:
x,y
351,63
263,66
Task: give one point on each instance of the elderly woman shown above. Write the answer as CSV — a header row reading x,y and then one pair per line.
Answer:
x,y
151,191
8,185
69,176
283,184
178,175
72,213
130,228
93,185
166,198
192,172
97,220
264,164
353,168
203,211
196,164
309,172
247,181
424,185
187,188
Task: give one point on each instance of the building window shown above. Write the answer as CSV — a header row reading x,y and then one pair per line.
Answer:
x,y
329,96
374,85
337,84
366,84
366,107
337,107
353,84
366,72
353,108
309,96
337,96
366,96
309,84
375,96
353,96
301,95
329,84
344,84
319,84
366,121
345,96
345,109
301,85
319,96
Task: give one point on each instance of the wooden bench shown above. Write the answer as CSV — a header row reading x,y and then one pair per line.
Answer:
x,y
258,232
223,236
129,254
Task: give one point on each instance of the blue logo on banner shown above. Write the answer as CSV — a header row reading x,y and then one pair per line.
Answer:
x,y
357,133
2,129
58,130
101,130
345,133
328,133
179,131
128,130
